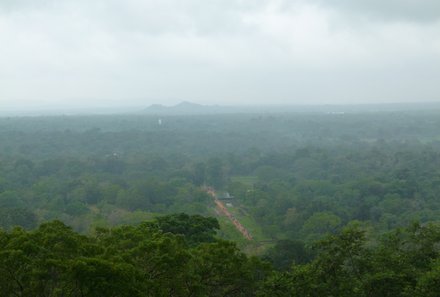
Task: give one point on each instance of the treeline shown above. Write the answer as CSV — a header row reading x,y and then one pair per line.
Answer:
x,y
179,255
204,136
102,191
176,255
314,191
298,176
402,263
300,195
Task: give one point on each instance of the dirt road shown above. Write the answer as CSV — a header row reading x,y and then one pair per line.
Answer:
x,y
224,211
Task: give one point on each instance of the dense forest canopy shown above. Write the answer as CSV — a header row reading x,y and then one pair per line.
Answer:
x,y
340,197
378,168
178,255
209,135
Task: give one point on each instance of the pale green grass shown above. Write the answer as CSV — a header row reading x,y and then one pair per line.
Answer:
x,y
247,180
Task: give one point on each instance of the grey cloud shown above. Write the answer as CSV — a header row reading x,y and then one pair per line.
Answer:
x,y
11,6
148,16
387,10
219,51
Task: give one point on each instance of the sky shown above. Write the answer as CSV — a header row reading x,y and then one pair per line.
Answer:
x,y
228,52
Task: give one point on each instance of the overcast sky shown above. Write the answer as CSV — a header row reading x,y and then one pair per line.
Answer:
x,y
138,52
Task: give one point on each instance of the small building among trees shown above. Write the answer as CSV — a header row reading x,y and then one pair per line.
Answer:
x,y
225,196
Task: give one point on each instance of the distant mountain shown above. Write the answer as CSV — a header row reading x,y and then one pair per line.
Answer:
x,y
189,108
186,107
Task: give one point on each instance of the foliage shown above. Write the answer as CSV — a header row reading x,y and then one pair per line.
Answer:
x,y
334,195
142,260
403,263
53,260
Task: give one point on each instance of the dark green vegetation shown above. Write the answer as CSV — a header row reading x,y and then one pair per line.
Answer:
x,y
159,258
297,178
405,262
178,255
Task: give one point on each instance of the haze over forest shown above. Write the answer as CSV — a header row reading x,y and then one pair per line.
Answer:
x,y
221,148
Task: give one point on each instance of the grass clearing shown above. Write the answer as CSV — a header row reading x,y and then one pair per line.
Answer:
x,y
247,180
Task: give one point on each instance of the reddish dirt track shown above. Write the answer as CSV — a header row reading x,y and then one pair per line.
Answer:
x,y
224,211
